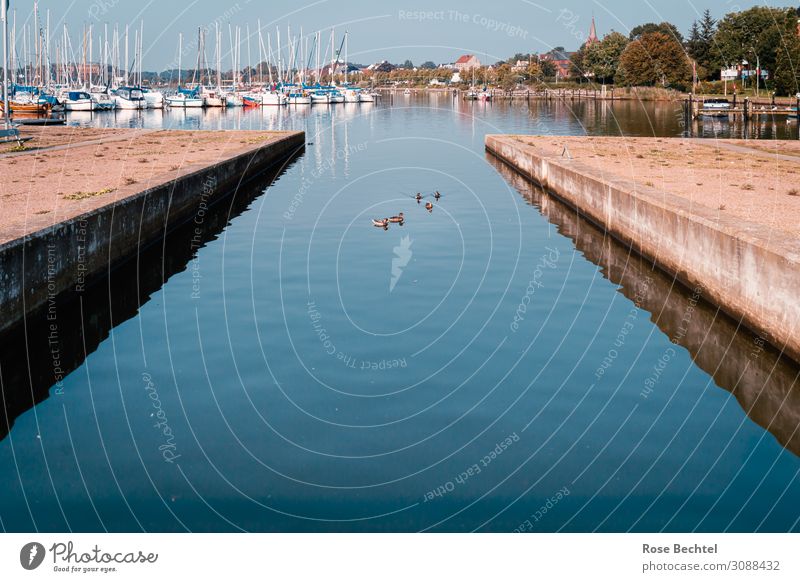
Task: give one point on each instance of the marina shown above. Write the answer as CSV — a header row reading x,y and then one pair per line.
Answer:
x,y
320,269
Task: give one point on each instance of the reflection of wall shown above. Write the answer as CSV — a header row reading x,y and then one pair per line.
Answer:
x,y
765,384
27,366
743,267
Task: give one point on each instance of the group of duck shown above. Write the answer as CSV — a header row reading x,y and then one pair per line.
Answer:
x,y
400,217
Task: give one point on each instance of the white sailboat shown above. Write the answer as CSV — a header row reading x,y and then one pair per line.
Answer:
x,y
183,98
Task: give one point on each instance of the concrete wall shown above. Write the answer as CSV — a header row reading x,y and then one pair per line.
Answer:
x,y
741,266
36,268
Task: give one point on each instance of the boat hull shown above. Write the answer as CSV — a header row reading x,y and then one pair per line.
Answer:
x,y
130,104
184,103
80,105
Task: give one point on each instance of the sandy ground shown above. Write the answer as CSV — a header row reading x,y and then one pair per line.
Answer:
x,y
84,169
759,184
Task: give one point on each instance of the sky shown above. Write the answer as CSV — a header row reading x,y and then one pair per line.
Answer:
x,y
419,30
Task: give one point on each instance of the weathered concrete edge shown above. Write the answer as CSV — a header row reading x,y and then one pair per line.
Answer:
x,y
37,267
739,265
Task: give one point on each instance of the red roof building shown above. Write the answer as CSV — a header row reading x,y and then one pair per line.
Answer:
x,y
466,62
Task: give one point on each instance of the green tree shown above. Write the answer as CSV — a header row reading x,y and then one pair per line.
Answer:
x,y
654,59
787,61
700,46
548,68
407,65
754,35
666,28
428,65
601,59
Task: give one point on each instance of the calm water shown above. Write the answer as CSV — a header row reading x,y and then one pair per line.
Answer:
x,y
495,364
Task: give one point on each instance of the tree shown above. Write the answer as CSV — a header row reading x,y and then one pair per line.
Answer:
x,y
700,47
548,68
654,59
754,35
666,28
601,59
407,65
787,61
534,71
428,65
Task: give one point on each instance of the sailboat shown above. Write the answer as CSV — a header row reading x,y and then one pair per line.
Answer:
x,y
78,101
184,98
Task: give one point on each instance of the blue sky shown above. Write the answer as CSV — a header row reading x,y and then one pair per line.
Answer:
x,y
437,30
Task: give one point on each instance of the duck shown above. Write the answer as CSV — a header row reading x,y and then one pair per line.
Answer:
x,y
381,223
428,206
437,195
399,218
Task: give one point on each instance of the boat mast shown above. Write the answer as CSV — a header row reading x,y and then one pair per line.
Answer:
x,y
260,49
141,50
249,57
219,58
6,109
126,61
180,54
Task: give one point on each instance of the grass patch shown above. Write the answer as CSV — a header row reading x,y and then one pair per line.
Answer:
x,y
748,187
793,192
85,195
128,180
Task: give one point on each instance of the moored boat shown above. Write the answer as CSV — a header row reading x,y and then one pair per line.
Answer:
x,y
715,108
184,98
153,99
78,101
129,98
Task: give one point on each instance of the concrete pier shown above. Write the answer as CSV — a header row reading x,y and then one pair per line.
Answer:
x,y
744,267
87,233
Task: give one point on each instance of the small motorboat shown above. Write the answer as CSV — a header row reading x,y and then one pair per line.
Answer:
x,y
437,195
380,223
429,206
418,197
715,108
399,218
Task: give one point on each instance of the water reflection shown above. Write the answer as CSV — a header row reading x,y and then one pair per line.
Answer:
x,y
28,372
765,383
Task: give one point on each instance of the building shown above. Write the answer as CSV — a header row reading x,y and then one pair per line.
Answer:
x,y
520,66
592,38
466,62
562,62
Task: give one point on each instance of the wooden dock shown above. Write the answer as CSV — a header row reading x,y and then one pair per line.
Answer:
x,y
744,109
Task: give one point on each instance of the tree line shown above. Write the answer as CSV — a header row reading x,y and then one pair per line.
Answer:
x,y
656,54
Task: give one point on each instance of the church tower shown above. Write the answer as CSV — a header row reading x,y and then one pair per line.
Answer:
x,y
592,34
